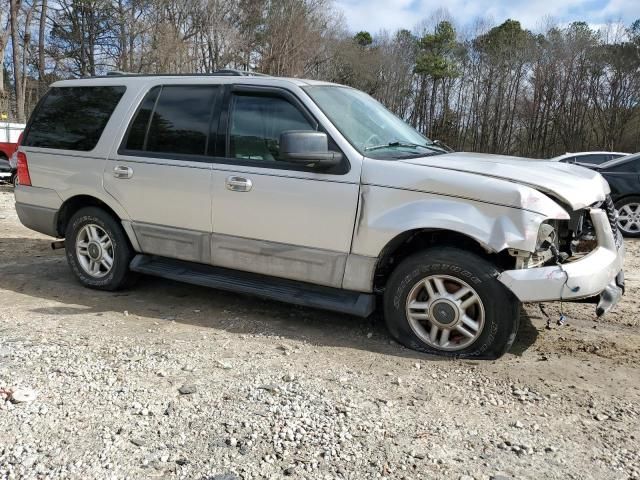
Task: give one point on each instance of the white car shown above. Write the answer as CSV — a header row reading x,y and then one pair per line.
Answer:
x,y
315,194
588,159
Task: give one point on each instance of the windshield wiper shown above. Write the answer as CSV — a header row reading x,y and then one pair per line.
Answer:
x,y
402,144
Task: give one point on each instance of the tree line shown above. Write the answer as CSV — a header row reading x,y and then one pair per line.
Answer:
x,y
491,88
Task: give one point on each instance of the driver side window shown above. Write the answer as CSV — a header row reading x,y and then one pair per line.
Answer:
x,y
256,122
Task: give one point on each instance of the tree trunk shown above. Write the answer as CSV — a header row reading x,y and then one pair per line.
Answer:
x,y
41,31
14,6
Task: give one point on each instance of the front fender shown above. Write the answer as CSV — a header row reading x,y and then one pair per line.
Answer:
x,y
386,213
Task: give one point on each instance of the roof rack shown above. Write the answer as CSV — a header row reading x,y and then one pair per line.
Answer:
x,y
118,73
222,72
238,73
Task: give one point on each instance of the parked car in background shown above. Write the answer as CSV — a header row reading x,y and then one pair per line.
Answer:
x,y
10,134
13,162
588,158
311,193
623,175
6,172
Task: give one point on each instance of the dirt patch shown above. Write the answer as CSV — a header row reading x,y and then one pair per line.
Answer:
x,y
171,380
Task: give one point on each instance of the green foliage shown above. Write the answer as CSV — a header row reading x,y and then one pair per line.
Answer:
x,y
505,41
437,53
363,39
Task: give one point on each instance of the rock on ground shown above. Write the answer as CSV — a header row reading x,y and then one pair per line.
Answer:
x,y
279,391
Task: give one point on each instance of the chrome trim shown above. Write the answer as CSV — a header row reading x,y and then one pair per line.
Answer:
x,y
238,184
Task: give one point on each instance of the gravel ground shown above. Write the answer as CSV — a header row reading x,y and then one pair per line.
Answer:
x,y
173,381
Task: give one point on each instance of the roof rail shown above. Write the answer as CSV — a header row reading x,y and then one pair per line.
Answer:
x,y
117,73
238,73
222,72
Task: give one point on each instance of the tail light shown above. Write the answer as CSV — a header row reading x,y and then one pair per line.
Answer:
x,y
23,170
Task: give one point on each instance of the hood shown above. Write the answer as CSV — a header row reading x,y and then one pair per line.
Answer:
x,y
576,186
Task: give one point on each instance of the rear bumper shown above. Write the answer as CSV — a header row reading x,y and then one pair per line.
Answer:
x,y
593,275
40,219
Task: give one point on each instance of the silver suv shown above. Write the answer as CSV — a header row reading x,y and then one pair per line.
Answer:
x,y
315,194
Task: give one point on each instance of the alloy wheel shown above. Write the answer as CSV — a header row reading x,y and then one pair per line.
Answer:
x,y
94,250
629,218
445,312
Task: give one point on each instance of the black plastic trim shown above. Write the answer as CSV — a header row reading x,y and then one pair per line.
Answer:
x,y
272,288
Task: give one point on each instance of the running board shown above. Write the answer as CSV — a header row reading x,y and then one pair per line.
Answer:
x,y
272,288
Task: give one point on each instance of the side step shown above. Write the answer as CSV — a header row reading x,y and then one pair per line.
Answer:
x,y
290,291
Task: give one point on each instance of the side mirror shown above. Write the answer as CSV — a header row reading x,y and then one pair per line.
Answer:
x,y
308,147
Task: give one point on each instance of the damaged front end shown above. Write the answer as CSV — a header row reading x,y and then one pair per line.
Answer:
x,y
576,260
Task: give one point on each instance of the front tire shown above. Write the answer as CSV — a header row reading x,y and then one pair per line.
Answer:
x,y
449,302
629,216
98,250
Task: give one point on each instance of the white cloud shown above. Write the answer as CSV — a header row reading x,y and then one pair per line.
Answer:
x,y
375,15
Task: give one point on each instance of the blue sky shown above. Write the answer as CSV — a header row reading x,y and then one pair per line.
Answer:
x,y
374,15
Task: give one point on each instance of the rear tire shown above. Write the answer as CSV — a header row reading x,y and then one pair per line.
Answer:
x,y
629,216
98,250
449,302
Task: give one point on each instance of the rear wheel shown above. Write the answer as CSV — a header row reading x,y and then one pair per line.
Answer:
x,y
449,302
629,216
98,250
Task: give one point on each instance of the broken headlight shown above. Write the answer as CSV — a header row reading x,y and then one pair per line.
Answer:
x,y
546,248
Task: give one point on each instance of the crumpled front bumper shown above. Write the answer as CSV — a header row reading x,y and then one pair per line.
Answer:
x,y
597,274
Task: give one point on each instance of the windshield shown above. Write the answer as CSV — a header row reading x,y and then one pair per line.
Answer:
x,y
372,129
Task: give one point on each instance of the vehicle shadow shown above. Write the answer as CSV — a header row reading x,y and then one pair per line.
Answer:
x,y
42,273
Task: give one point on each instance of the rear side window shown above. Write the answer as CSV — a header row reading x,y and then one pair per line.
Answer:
x,y
632,166
72,118
592,159
174,120
140,124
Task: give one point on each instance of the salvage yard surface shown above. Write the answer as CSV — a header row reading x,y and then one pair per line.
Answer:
x,y
168,380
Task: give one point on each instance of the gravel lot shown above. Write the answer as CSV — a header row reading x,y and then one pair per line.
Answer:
x,y
174,381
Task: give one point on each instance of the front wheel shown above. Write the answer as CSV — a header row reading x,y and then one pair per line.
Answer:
x,y
629,216
449,302
98,250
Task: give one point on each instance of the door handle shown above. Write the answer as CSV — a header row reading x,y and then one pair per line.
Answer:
x,y
238,184
120,171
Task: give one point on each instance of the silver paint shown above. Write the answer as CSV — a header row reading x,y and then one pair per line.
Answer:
x,y
318,227
582,278
322,267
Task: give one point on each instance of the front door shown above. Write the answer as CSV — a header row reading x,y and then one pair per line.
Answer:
x,y
161,173
272,217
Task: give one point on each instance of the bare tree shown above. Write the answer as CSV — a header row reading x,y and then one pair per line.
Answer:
x,y
14,7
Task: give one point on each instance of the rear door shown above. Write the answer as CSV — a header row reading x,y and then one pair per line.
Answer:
x,y
161,171
272,217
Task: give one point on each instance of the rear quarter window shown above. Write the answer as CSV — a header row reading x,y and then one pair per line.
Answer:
x,y
72,118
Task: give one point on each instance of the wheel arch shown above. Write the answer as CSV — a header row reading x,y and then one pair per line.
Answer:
x,y
626,196
412,241
72,204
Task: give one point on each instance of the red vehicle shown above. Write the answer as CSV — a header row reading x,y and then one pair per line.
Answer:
x,y
10,136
